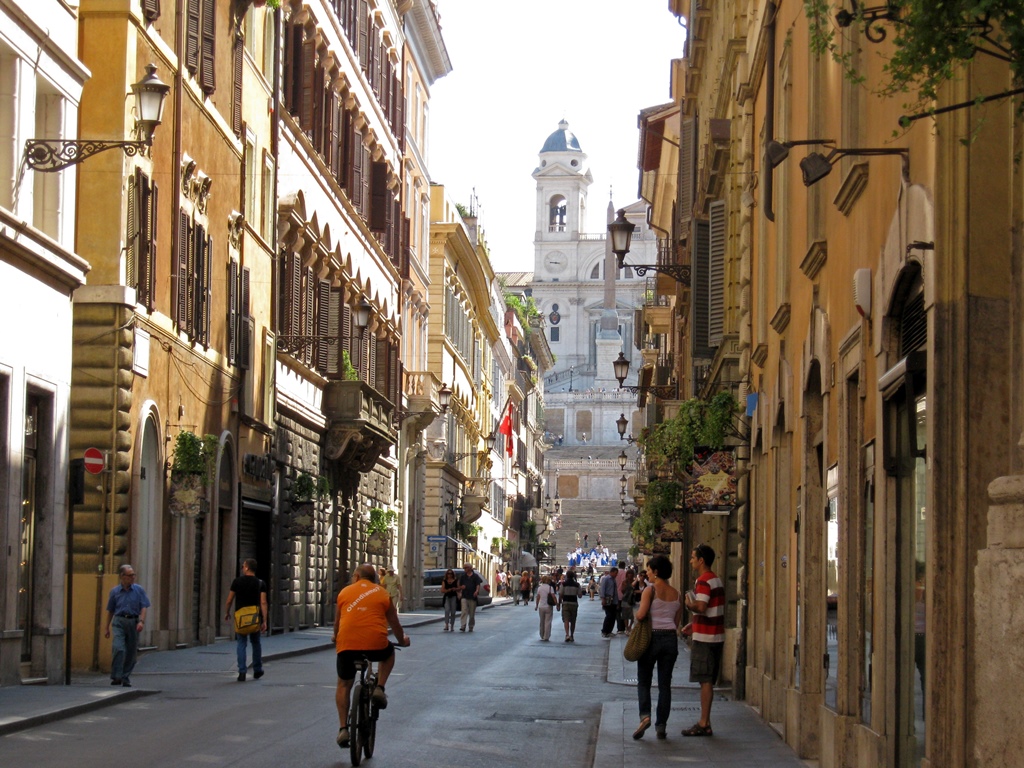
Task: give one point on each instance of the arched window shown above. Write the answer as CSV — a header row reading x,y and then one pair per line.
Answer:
x,y
557,209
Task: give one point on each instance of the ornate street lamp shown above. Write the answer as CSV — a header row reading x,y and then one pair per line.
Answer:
x,y
620,232
49,155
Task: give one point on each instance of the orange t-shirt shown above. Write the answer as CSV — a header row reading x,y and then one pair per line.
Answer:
x,y
364,623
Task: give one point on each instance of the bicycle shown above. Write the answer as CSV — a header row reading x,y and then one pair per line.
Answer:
x,y
363,712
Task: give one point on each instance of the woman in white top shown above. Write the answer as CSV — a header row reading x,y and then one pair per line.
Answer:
x,y
660,601
546,611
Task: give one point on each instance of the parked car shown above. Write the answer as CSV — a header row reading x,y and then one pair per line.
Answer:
x,y
432,578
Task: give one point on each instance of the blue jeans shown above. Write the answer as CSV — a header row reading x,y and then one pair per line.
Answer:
x,y
663,650
449,611
125,644
257,652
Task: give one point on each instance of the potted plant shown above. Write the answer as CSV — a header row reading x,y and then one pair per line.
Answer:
x,y
378,531
191,469
306,490
348,371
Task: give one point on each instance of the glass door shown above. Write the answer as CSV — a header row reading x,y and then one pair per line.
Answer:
x,y
26,554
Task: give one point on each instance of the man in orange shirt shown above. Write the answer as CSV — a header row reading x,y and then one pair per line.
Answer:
x,y
361,629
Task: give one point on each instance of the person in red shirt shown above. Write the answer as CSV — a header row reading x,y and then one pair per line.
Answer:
x,y
361,629
707,627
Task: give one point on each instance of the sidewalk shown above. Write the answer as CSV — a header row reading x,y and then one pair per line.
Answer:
x,y
741,740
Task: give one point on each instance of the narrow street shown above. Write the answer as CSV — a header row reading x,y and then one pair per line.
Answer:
x,y
497,696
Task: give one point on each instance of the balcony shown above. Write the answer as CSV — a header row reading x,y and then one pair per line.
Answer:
x,y
359,420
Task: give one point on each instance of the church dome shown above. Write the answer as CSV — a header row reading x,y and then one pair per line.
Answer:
x,y
562,140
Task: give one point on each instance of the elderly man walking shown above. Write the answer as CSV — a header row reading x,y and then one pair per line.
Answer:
x,y
126,610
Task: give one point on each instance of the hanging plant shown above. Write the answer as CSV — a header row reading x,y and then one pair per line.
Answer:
x,y
669,446
381,521
191,472
308,488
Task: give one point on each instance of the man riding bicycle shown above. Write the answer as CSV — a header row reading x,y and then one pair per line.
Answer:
x,y
361,630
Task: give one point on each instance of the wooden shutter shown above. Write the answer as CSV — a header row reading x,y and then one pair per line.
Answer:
x,y
345,331
131,231
380,362
151,9
181,271
716,272
292,77
237,69
333,156
308,75
399,124
309,316
232,312
321,118
380,198
699,250
246,335
347,138
370,350
295,296
197,264
394,373
364,33
207,74
192,15
323,324
147,210
334,332
364,194
355,192
687,169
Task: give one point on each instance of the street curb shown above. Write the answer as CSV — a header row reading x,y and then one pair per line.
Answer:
x,y
23,723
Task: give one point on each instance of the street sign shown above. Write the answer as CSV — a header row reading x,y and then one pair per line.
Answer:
x,y
434,547
94,461
436,538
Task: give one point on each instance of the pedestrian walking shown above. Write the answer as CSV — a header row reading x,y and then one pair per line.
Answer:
x,y
393,586
626,603
526,586
449,598
126,611
620,578
660,602
245,591
592,587
609,594
569,605
707,630
545,603
514,580
469,586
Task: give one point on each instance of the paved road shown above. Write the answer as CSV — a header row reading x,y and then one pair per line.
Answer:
x,y
497,696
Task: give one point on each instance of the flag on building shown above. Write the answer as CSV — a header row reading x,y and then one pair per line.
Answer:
x,y
506,430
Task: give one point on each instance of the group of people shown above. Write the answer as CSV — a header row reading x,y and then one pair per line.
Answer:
x,y
367,608
661,603
465,588
597,556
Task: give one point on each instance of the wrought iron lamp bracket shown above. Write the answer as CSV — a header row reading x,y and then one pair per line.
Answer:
x,y
48,155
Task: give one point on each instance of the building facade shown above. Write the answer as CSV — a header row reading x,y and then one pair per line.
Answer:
x,y
850,308
41,81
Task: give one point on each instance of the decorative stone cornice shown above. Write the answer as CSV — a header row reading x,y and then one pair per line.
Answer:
x,y
815,259
851,188
780,321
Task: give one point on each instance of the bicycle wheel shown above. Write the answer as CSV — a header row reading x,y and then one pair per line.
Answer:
x,y
371,732
355,725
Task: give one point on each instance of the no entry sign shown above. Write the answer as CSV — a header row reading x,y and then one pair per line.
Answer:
x,y
94,462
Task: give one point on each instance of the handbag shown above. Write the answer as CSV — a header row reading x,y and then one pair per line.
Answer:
x,y
551,598
638,641
247,620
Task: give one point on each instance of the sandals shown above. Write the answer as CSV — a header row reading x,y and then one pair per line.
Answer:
x,y
645,723
696,730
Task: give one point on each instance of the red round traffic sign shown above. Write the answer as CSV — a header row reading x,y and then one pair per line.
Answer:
x,y
94,462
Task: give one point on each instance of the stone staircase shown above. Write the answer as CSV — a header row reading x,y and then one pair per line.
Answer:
x,y
590,516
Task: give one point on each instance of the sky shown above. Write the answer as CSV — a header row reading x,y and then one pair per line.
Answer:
x,y
517,70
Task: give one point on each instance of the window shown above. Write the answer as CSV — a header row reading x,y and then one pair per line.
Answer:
x,y
151,9
555,334
200,42
240,339
267,209
250,178
192,277
140,237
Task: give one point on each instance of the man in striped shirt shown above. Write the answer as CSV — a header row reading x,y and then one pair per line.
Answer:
x,y
707,604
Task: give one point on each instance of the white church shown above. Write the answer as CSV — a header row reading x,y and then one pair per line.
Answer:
x,y
589,309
